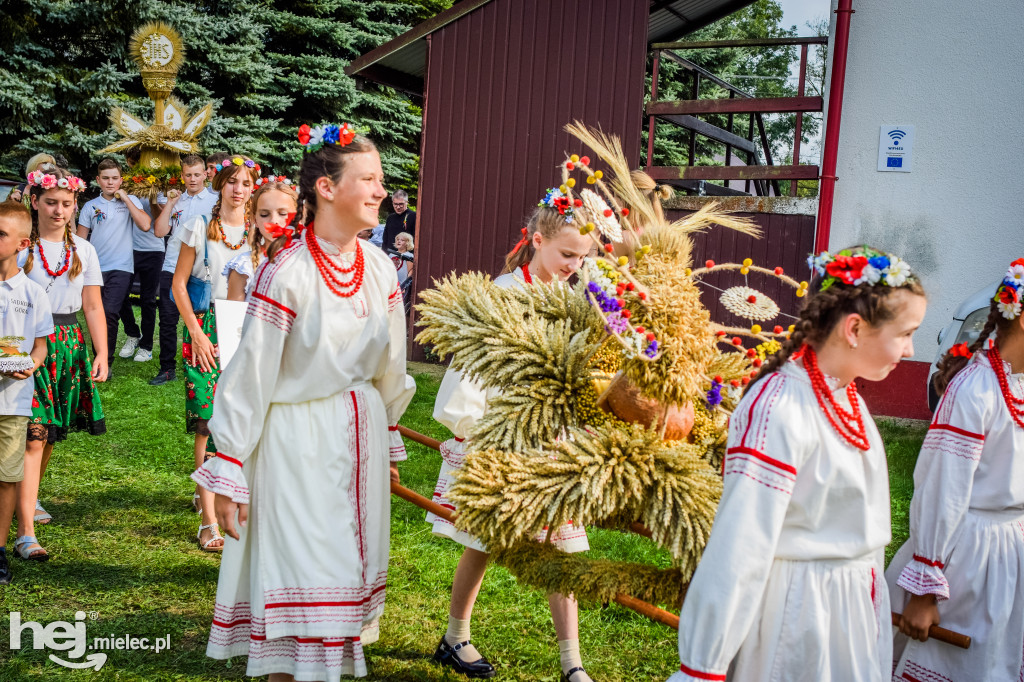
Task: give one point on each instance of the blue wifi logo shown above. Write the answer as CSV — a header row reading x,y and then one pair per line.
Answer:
x,y
896,135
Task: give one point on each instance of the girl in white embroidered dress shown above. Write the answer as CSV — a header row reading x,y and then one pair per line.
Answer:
x,y
790,584
963,565
273,204
550,250
305,425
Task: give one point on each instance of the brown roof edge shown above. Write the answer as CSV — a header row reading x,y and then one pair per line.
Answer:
x,y
456,11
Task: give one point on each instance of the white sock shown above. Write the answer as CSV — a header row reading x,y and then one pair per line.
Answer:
x,y
458,631
569,653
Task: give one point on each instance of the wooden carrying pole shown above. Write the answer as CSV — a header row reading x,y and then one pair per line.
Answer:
x,y
941,634
643,608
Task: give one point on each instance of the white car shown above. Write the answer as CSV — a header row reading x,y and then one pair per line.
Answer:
x,y
968,321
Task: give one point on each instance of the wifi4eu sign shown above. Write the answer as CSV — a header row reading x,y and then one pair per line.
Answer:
x,y
895,144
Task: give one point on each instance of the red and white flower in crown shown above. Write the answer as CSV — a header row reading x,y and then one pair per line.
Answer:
x,y
1008,297
847,269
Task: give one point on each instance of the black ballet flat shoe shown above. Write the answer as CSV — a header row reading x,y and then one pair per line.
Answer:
x,y
478,670
567,675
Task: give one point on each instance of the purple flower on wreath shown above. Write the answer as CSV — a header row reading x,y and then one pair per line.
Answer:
x,y
616,324
715,394
249,163
652,349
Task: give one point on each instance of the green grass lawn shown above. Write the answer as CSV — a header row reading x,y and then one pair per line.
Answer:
x,y
122,550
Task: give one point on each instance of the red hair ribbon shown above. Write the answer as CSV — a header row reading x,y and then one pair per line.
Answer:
x,y
521,243
276,231
960,350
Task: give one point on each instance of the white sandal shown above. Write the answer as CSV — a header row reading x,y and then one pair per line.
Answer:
x,y
215,535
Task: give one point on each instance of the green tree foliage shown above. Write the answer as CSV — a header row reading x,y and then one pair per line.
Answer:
x,y
267,65
761,72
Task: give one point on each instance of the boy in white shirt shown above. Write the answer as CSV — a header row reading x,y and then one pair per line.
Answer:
x,y
180,207
24,312
108,222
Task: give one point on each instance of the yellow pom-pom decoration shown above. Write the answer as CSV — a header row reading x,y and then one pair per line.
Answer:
x,y
574,158
756,329
646,248
590,227
591,180
688,272
800,293
791,328
803,285
563,189
623,260
747,262
598,174
744,270
571,182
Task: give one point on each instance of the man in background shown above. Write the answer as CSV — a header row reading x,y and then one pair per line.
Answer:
x,y
402,220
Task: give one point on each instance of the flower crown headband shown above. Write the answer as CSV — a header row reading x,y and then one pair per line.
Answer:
x,y
315,138
49,181
237,161
1008,295
865,266
273,178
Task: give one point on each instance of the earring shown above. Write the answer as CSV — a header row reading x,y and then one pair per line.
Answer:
x,y
853,345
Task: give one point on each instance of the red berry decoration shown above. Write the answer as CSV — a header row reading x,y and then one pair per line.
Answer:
x,y
758,362
578,203
569,165
629,286
735,383
751,352
745,381
709,263
621,303
625,211
639,330
778,271
585,160
608,248
777,329
737,341
718,379
642,296
607,213
720,333
650,336
619,289
626,314
751,299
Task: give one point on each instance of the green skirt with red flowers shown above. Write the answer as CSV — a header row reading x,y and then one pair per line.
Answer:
x,y
199,385
65,397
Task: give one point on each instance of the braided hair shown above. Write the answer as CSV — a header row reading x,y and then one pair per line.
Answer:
x,y
229,171
549,222
327,162
256,238
69,243
824,310
951,364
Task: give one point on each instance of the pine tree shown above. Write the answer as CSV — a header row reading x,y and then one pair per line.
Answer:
x,y
267,66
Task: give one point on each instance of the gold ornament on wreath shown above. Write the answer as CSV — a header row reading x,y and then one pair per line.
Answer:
x,y
158,50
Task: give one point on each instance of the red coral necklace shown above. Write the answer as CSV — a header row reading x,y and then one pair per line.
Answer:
x,y
1012,401
849,425
63,268
224,237
327,267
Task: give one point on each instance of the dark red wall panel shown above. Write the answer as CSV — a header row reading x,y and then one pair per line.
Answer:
x,y
501,84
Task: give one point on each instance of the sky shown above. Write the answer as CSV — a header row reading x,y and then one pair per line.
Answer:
x,y
799,12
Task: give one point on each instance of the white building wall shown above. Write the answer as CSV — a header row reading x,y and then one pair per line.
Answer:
x,y
955,70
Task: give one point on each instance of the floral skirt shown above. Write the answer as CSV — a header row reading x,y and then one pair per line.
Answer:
x,y
65,398
200,386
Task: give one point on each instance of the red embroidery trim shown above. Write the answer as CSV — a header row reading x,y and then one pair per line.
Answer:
x,y
230,459
962,432
526,273
763,457
700,675
274,303
850,425
929,562
63,268
1012,401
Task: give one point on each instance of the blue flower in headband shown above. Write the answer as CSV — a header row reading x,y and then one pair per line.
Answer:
x,y
331,134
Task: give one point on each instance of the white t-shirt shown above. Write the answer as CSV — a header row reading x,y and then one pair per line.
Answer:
x,y
193,233
65,294
24,311
189,206
111,228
